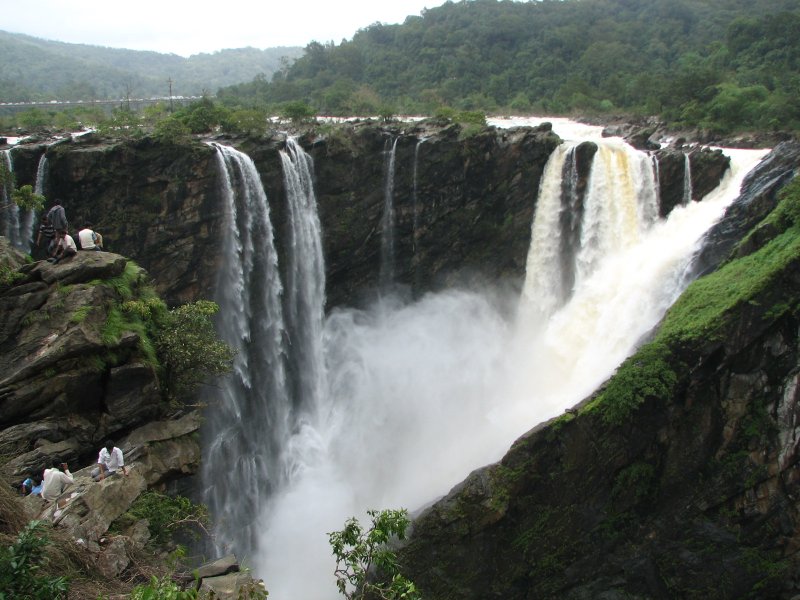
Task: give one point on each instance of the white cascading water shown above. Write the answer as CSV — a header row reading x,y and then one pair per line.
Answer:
x,y
17,225
38,188
415,223
386,275
416,395
687,179
305,281
248,418
9,212
41,174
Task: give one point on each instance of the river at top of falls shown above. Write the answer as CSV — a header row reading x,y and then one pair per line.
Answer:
x,y
417,395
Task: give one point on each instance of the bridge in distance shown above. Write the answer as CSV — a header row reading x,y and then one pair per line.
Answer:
x,y
11,107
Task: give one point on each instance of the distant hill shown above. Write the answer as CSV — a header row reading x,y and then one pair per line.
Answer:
x,y
34,69
719,64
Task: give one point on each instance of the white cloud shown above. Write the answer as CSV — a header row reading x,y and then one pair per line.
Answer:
x,y
188,27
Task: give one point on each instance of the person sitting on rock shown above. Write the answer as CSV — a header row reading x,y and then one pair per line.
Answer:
x,y
90,239
64,248
27,486
56,481
109,462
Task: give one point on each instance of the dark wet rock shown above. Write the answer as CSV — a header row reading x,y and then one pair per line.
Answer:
x,y
759,195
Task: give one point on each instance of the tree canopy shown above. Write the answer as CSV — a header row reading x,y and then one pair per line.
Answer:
x,y
721,64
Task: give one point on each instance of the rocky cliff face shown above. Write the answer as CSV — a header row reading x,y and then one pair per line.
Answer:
x,y
73,373
578,508
462,205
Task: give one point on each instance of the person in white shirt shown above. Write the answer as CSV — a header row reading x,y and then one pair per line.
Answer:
x,y
109,462
55,481
65,247
90,239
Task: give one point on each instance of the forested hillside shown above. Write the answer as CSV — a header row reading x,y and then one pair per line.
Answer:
x,y
721,64
33,69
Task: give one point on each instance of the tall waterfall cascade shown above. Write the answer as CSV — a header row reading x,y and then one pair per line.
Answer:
x,y
386,275
305,279
326,417
687,179
415,194
41,174
248,420
17,224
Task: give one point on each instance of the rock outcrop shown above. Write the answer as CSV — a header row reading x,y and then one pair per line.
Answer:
x,y
74,373
69,378
462,204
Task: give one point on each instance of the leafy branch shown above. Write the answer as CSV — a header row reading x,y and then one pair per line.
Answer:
x,y
366,566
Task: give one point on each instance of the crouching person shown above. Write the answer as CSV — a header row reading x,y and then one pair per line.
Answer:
x,y
55,481
109,462
65,247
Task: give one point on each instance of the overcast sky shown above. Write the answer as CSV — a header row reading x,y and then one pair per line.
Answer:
x,y
188,27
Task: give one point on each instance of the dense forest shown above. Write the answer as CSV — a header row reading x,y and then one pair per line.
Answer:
x,y
717,64
33,69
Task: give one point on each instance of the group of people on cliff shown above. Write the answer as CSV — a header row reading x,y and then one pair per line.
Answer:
x,y
59,244
56,479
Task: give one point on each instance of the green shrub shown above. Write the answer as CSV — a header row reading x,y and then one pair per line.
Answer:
x,y
297,111
171,130
190,349
358,552
166,514
9,276
20,564
162,589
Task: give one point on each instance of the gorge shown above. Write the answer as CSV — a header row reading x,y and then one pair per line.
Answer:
x,y
422,363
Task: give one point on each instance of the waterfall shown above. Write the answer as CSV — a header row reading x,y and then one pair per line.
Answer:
x,y
305,278
542,289
41,173
386,276
414,194
687,179
248,419
38,188
657,176
418,393
12,219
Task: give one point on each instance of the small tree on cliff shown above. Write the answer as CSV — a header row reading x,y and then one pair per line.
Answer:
x,y
187,348
27,199
190,348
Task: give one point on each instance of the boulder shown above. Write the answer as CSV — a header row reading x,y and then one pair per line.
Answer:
x,y
706,168
91,507
758,197
228,587
113,559
221,566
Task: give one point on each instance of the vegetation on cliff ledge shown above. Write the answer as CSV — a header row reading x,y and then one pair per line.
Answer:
x,y
180,343
708,309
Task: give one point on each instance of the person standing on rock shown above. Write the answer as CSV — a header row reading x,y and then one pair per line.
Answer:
x,y
55,481
57,216
47,233
109,462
